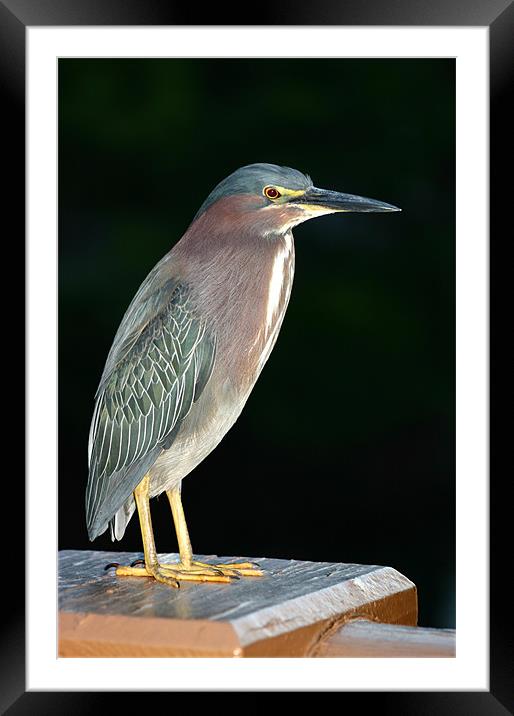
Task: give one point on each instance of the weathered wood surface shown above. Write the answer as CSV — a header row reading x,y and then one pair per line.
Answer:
x,y
285,613
367,638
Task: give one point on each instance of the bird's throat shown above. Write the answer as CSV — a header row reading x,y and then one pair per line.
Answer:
x,y
279,284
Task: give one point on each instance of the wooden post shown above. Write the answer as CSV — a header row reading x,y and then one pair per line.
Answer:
x,y
291,611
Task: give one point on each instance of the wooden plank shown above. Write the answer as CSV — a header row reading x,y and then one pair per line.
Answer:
x,y
285,613
367,638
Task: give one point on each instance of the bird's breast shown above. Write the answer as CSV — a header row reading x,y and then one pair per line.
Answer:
x,y
242,289
256,315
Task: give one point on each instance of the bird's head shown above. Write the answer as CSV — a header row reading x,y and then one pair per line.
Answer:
x,y
274,199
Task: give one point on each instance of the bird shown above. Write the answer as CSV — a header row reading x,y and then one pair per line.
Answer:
x,y
189,351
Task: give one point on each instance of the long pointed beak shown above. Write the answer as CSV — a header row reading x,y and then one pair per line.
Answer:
x,y
336,201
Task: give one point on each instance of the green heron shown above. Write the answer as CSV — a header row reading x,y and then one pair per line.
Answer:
x,y
189,351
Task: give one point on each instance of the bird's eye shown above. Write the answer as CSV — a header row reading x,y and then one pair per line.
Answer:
x,y
271,192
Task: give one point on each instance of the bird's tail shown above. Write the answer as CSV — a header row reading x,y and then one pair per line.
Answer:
x,y
107,494
119,522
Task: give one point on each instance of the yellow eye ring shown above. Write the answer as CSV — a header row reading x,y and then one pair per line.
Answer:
x,y
271,193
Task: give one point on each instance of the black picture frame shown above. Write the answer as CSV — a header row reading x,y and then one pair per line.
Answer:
x,y
498,15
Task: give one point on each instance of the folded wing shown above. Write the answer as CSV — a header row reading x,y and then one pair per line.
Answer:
x,y
161,360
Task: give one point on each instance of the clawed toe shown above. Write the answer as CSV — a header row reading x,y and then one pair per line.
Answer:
x,y
111,564
236,569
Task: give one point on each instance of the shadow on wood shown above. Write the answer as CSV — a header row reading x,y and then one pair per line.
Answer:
x,y
290,611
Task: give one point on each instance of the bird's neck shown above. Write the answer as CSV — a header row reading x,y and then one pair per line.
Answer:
x,y
243,287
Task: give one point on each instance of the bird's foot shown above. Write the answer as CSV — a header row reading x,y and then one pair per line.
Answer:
x,y
147,570
176,572
236,569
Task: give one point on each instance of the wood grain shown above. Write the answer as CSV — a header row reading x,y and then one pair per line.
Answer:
x,y
363,638
285,613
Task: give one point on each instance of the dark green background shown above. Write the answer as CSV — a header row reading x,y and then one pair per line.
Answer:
x,y
345,450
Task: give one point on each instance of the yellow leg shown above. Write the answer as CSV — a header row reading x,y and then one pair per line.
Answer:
x,y
152,567
187,564
187,569
184,543
170,574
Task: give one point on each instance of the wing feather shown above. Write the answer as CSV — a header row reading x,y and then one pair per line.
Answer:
x,y
153,379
